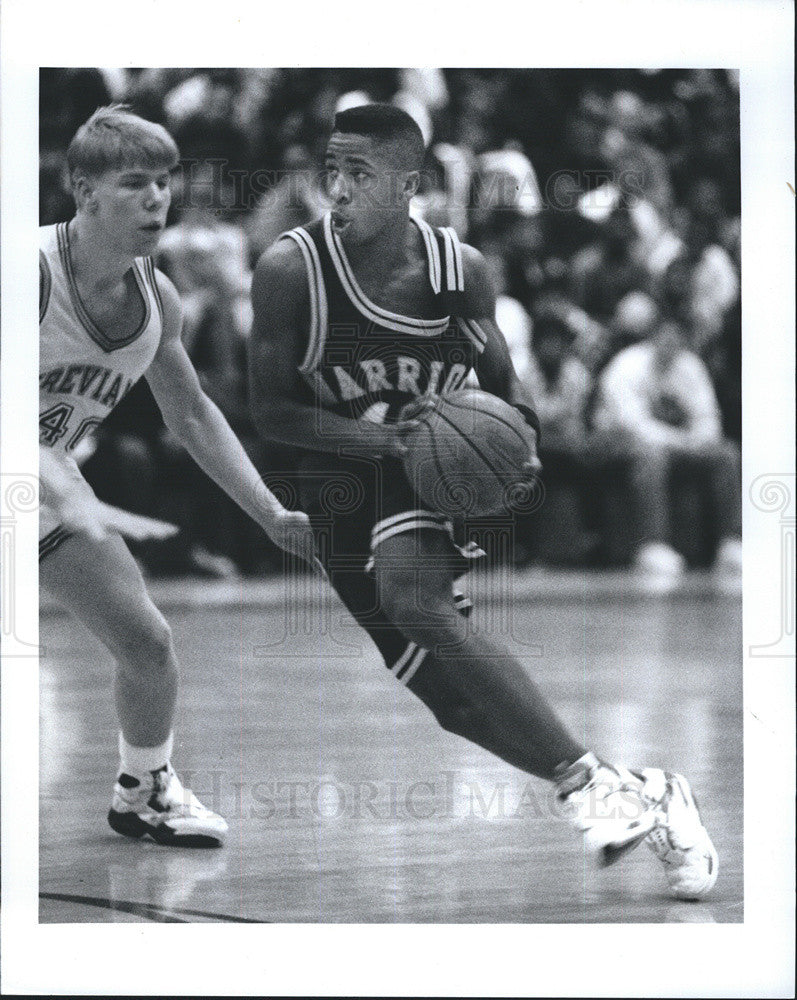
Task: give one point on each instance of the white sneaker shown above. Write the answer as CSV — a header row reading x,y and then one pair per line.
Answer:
x,y
607,805
659,559
159,807
679,839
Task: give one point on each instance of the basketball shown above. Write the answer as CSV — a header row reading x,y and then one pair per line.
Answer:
x,y
467,453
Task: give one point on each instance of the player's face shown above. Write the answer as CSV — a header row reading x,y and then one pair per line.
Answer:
x,y
369,192
131,205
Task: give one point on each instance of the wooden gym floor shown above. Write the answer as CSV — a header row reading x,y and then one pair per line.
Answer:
x,y
346,802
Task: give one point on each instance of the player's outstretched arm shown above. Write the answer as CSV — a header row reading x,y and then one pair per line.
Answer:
x,y
203,431
281,307
494,367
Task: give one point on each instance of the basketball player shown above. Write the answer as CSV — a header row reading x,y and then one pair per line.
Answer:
x,y
107,317
358,315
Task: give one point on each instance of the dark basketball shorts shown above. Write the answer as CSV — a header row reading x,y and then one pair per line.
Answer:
x,y
354,506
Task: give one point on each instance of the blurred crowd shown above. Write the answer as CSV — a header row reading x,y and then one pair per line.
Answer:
x,y
607,205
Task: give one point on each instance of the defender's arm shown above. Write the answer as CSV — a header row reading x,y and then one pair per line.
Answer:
x,y
203,431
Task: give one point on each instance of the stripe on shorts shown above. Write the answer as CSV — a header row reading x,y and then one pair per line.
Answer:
x,y
407,664
52,540
408,520
461,601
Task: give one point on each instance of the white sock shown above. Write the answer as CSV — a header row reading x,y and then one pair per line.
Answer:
x,y
138,761
589,760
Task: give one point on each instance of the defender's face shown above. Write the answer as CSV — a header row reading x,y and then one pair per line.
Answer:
x,y
369,193
131,205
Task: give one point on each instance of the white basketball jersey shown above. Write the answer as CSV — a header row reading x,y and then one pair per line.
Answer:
x,y
83,373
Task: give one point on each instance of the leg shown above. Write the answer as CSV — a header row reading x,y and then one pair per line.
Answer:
x,y
472,686
717,465
722,461
102,586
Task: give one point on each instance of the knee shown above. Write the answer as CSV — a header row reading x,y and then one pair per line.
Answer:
x,y
145,644
466,718
421,616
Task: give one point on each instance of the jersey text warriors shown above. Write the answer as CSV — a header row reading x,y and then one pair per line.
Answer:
x,y
364,361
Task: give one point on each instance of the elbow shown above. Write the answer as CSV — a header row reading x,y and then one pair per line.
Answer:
x,y
188,424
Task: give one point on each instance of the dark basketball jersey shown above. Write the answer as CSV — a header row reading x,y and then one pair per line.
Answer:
x,y
363,361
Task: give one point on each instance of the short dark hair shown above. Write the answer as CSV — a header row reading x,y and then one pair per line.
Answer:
x,y
114,138
387,125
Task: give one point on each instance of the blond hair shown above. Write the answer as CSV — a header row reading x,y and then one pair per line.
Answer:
x,y
114,138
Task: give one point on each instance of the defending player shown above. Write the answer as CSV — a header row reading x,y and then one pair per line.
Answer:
x,y
357,315
107,317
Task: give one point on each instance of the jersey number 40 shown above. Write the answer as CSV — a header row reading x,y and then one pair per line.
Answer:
x,y
54,424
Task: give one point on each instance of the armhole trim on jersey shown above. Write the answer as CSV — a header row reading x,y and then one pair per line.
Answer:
x,y
318,299
455,273
361,302
432,252
149,269
45,284
473,332
97,335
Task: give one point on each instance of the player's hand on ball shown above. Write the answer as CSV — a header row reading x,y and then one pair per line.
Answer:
x,y
409,421
400,433
416,408
533,466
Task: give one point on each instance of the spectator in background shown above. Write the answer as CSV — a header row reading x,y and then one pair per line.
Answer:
x,y
560,386
559,382
657,402
208,260
296,198
512,319
607,270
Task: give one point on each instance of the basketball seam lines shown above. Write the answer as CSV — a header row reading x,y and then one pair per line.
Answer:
x,y
487,413
470,443
435,458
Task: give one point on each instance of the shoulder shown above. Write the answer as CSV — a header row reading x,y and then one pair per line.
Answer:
x,y
479,291
280,274
169,295
170,303
48,240
282,259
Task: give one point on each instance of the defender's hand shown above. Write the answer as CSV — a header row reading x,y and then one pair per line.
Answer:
x,y
291,531
95,520
135,526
